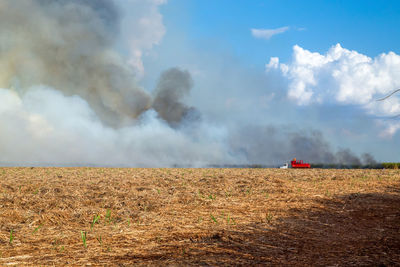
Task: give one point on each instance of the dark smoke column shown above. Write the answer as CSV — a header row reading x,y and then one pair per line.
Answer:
x,y
173,86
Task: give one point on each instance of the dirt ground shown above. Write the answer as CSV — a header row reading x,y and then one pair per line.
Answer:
x,y
199,217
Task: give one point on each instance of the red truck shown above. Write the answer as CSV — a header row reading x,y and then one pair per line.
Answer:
x,y
299,164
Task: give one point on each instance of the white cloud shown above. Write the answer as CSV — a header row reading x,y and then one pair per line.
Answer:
x,y
390,129
268,33
343,76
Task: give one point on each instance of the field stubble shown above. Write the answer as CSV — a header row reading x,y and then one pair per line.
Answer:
x,y
105,216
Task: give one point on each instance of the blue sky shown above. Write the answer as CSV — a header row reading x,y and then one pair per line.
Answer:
x,y
370,27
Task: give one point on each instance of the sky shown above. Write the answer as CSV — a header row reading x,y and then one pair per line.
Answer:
x,y
161,83
369,27
220,32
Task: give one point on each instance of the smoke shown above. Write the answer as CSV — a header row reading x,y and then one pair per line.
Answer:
x,y
172,87
69,46
68,97
368,159
276,144
44,127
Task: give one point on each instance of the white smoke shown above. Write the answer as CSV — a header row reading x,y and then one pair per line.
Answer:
x,y
44,127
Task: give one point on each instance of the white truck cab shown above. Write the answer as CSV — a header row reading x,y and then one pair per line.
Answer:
x,y
284,166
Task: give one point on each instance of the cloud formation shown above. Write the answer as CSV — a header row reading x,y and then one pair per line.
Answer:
x,y
267,34
343,77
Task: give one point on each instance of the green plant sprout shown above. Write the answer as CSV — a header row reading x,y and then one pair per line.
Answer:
x,y
95,219
108,215
11,235
83,236
37,228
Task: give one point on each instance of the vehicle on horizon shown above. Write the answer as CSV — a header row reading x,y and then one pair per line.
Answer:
x,y
299,164
286,166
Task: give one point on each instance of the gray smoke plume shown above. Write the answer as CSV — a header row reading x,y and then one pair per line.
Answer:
x,y
368,159
173,86
274,145
69,45
346,157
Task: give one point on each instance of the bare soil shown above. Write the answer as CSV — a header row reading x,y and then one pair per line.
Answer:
x,y
199,217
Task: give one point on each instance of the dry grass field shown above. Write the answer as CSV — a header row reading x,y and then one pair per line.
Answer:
x,y
103,216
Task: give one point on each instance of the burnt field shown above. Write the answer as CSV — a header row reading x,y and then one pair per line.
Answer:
x,y
99,216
